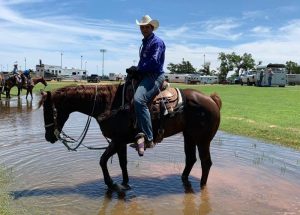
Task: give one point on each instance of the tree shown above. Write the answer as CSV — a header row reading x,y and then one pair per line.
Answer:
x,y
292,67
234,62
225,66
182,68
206,69
245,62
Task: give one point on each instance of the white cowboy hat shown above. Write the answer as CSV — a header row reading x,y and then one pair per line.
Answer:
x,y
147,20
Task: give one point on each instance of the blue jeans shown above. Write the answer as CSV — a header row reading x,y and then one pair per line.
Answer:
x,y
147,89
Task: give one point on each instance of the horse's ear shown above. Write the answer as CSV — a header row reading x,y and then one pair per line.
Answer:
x,y
43,98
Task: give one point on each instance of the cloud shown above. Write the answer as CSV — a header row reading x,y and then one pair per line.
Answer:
x,y
261,30
223,28
44,36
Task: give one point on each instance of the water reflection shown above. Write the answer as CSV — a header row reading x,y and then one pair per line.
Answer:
x,y
193,205
15,105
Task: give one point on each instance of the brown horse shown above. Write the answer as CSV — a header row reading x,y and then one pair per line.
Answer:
x,y
199,121
12,81
34,81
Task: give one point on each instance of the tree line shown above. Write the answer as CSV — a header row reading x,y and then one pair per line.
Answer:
x,y
228,62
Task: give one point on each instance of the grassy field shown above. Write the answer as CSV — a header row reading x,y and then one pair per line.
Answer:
x,y
5,198
271,114
268,113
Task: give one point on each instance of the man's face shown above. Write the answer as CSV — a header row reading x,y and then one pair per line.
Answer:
x,y
146,30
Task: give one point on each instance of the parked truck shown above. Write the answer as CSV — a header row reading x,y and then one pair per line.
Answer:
x,y
93,78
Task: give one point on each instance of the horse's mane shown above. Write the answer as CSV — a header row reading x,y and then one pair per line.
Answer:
x,y
82,92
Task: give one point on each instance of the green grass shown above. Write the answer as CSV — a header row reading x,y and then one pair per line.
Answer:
x,y
271,114
267,113
5,198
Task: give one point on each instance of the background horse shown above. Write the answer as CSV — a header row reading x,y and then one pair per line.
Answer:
x,y
199,121
34,81
11,82
2,82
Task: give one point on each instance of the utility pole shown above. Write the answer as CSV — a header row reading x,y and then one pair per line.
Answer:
x,y
81,62
61,54
102,51
25,63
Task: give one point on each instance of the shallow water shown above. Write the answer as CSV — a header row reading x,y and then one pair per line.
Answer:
x,y
247,177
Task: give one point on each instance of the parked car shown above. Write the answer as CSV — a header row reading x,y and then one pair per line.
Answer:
x,y
248,77
94,78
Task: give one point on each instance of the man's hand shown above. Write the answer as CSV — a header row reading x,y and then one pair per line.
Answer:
x,y
132,70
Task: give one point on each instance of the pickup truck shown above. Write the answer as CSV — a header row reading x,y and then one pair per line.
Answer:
x,y
248,77
94,78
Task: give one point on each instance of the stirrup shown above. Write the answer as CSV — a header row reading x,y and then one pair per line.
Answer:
x,y
149,144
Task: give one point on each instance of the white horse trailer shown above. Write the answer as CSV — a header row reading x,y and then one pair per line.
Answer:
x,y
176,78
293,79
278,77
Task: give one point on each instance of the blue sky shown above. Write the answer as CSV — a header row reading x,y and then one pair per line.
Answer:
x,y
194,30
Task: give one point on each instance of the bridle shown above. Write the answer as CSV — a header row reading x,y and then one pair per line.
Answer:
x,y
66,139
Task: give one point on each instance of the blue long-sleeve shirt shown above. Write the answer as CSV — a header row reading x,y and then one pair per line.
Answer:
x,y
152,55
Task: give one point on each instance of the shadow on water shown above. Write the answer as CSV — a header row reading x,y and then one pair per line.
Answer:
x,y
94,189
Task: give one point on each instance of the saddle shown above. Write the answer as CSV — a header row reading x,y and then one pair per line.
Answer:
x,y
166,102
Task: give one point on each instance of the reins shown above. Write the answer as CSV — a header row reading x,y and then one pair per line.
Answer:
x,y
66,139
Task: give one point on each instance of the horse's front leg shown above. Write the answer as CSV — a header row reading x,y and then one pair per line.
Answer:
x,y
110,151
122,154
19,91
8,93
27,92
31,92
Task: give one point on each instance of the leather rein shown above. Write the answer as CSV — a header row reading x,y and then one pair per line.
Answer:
x,y
66,139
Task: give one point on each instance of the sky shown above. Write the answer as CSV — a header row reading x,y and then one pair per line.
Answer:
x,y
72,33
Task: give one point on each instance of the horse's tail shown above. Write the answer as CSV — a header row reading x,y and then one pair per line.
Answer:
x,y
216,99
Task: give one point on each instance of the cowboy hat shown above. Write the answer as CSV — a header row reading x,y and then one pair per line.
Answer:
x,y
147,20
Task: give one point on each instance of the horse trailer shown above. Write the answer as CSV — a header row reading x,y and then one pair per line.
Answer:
x,y
278,75
293,79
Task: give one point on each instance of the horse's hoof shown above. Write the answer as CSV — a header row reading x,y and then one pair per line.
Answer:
x,y
125,186
185,181
202,185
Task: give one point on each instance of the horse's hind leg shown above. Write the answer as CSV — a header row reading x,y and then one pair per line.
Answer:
x,y
190,159
110,151
204,154
122,154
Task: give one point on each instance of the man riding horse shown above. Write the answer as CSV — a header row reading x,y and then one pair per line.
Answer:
x,y
150,69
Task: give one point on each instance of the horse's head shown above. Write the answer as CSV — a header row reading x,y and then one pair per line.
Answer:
x,y
43,81
54,117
